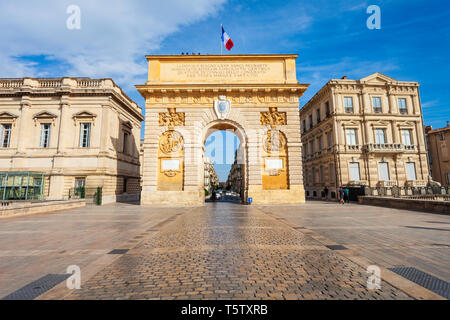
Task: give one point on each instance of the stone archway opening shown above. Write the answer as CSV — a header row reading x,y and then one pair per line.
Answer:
x,y
225,162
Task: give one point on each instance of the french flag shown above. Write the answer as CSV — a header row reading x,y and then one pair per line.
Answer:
x,y
226,40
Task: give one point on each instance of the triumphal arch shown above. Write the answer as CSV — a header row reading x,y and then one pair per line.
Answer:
x,y
189,96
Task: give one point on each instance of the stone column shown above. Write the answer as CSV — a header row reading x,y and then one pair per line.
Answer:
x,y
365,102
23,131
65,125
254,163
419,137
392,104
416,104
395,132
295,163
105,136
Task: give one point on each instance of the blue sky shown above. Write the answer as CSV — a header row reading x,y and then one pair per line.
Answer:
x,y
220,147
331,38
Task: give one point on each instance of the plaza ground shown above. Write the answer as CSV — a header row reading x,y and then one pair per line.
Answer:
x,y
223,250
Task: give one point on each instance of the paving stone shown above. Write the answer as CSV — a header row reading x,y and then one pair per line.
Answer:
x,y
235,252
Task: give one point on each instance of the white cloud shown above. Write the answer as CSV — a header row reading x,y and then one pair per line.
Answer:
x,y
113,39
430,104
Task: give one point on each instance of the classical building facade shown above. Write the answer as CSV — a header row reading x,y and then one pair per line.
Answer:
x,y
210,175
439,153
255,96
78,132
234,179
366,132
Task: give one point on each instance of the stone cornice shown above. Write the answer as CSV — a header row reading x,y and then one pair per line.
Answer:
x,y
389,85
317,97
215,88
238,94
209,57
69,87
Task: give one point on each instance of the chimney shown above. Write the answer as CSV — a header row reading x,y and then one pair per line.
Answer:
x,y
344,78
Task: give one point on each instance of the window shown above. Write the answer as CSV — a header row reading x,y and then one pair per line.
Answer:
x,y
304,125
45,135
402,106
330,139
5,135
351,136
348,104
319,142
312,147
314,175
442,137
380,136
322,174
80,183
125,142
354,171
327,108
406,137
310,121
410,171
448,178
318,115
376,103
383,171
85,135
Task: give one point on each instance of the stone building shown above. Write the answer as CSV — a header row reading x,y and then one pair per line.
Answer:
x,y
79,132
366,132
210,175
234,179
254,96
439,153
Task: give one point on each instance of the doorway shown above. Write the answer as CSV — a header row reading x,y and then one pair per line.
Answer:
x,y
224,162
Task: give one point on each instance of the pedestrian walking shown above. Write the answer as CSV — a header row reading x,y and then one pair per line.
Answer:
x,y
347,195
341,195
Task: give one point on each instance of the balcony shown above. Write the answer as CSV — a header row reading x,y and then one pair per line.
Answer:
x,y
358,183
410,147
389,147
386,183
352,147
416,183
377,110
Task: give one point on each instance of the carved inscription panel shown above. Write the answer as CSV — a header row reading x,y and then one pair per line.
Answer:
x,y
235,71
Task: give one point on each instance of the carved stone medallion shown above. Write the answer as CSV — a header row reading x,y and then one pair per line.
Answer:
x,y
274,141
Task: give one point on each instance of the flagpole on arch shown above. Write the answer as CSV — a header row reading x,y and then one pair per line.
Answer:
x,y
221,42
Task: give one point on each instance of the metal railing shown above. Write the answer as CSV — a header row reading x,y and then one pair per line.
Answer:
x,y
424,193
94,194
388,147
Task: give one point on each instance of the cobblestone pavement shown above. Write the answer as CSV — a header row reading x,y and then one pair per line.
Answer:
x,y
230,251
34,246
387,237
